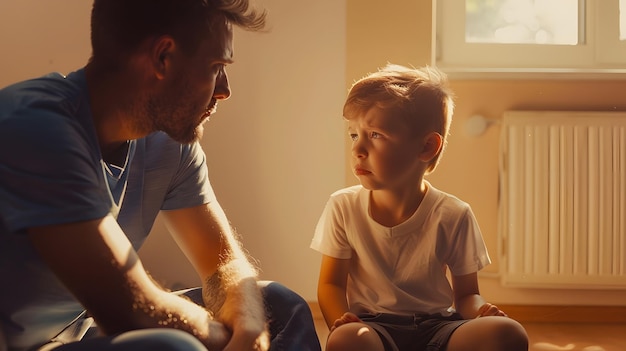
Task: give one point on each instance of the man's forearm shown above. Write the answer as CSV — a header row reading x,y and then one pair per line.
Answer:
x,y
158,308
232,293
234,296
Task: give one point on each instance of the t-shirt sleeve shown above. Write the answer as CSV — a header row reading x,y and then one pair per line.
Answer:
x,y
48,174
330,234
190,184
468,252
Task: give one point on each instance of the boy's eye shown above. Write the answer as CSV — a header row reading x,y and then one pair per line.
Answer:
x,y
354,137
374,135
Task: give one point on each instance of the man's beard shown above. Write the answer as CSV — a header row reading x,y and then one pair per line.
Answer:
x,y
178,120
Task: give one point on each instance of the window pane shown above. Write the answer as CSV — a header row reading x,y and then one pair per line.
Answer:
x,y
553,22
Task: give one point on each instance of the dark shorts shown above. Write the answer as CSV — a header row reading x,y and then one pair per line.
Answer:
x,y
413,333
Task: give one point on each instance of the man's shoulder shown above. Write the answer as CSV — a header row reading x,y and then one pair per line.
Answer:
x,y
48,99
163,146
52,86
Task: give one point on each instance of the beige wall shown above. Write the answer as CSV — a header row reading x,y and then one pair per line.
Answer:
x,y
277,149
274,149
39,37
402,34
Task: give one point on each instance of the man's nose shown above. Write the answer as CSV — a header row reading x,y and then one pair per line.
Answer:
x,y
222,87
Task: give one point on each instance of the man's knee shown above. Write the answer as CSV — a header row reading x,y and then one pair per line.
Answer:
x,y
275,292
162,339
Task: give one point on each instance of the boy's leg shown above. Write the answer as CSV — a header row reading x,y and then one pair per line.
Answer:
x,y
355,337
161,339
487,334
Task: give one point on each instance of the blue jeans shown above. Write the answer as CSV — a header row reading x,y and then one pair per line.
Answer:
x,y
290,323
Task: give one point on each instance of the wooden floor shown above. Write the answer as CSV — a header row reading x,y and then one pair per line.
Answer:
x,y
576,336
556,336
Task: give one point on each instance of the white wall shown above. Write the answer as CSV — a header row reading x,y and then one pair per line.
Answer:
x,y
275,148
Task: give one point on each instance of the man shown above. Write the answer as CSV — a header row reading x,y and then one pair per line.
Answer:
x,y
86,163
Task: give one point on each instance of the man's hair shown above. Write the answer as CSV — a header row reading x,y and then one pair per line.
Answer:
x,y
119,26
420,96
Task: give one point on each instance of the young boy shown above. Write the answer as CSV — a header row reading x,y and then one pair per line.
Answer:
x,y
388,242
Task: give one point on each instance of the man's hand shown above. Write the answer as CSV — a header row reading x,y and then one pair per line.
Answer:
x,y
230,290
249,340
242,311
219,336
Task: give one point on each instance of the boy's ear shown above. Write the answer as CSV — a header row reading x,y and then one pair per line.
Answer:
x,y
433,142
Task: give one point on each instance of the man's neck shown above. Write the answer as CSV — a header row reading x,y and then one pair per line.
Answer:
x,y
117,154
111,98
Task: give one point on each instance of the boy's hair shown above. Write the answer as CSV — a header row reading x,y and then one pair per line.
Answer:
x,y
420,96
119,26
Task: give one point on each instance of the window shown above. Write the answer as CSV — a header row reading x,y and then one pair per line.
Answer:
x,y
530,35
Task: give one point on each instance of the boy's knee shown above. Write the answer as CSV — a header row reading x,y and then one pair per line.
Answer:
x,y
491,333
515,335
354,336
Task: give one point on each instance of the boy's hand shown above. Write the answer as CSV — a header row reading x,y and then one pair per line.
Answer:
x,y
490,310
347,317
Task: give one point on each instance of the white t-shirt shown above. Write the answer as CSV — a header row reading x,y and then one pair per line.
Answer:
x,y
401,269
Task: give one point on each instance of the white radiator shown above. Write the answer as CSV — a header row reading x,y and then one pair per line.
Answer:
x,y
562,210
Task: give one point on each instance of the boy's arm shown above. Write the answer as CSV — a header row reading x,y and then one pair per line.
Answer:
x,y
467,299
331,288
97,263
229,279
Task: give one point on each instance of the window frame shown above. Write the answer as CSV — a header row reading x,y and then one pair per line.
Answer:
x,y
598,57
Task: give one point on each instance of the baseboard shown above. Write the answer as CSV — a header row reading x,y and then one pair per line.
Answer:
x,y
546,314
566,314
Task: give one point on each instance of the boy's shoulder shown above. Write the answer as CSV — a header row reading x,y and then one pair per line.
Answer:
x,y
444,199
348,192
350,197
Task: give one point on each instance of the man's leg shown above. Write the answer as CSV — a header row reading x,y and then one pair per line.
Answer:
x,y
161,339
291,322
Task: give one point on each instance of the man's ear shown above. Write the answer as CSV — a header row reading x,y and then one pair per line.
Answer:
x,y
161,55
433,142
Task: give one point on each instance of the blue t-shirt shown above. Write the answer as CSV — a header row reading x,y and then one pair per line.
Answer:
x,y
51,172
